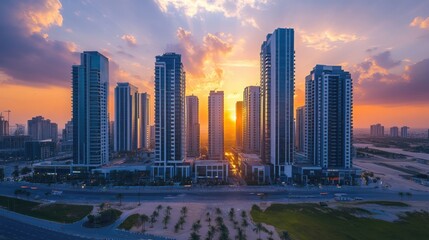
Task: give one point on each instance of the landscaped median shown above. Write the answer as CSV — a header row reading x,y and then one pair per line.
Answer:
x,y
310,221
62,213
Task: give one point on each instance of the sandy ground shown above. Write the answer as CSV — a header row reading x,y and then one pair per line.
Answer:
x,y
196,211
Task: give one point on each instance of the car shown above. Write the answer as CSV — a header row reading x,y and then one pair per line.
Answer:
x,y
324,193
24,187
33,188
358,198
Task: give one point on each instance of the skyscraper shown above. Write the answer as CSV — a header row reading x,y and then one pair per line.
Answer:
x,y
277,60
394,131
90,81
377,130
169,117
192,127
40,128
404,131
250,121
216,125
300,129
144,120
328,117
239,124
126,117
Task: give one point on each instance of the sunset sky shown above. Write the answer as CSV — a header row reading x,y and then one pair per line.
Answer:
x,y
384,44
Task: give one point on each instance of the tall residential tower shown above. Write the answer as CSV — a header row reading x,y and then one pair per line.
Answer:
x,y
277,58
250,121
192,127
126,117
170,132
216,125
90,81
329,111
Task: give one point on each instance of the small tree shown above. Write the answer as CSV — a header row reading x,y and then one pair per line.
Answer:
x,y
144,219
401,194
181,222
409,195
210,233
244,223
241,235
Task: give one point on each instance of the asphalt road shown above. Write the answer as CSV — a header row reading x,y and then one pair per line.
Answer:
x,y
252,194
14,230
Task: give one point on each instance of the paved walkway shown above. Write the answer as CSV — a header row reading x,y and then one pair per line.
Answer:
x,y
76,229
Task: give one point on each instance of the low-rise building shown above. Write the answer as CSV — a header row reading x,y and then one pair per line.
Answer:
x,y
253,170
211,171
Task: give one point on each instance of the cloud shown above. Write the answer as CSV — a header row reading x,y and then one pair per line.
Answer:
x,y
375,84
130,40
202,59
326,41
420,22
231,9
385,60
28,56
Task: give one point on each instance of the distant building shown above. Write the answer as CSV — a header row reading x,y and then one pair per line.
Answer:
x,y
377,130
126,117
40,128
216,125
394,132
251,119
67,140
144,120
170,141
13,146
192,127
404,131
4,126
239,124
152,137
19,130
39,149
300,129
90,98
277,59
328,117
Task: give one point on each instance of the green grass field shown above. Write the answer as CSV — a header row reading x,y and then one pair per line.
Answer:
x,y
309,221
62,213
129,222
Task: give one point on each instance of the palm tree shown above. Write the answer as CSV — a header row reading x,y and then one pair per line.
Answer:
x,y
409,195
219,221
241,235
243,214
184,211
258,228
144,218
194,236
120,196
181,222
196,226
231,214
285,235
165,220
168,210
218,211
208,218
152,219
210,233
158,208
244,223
